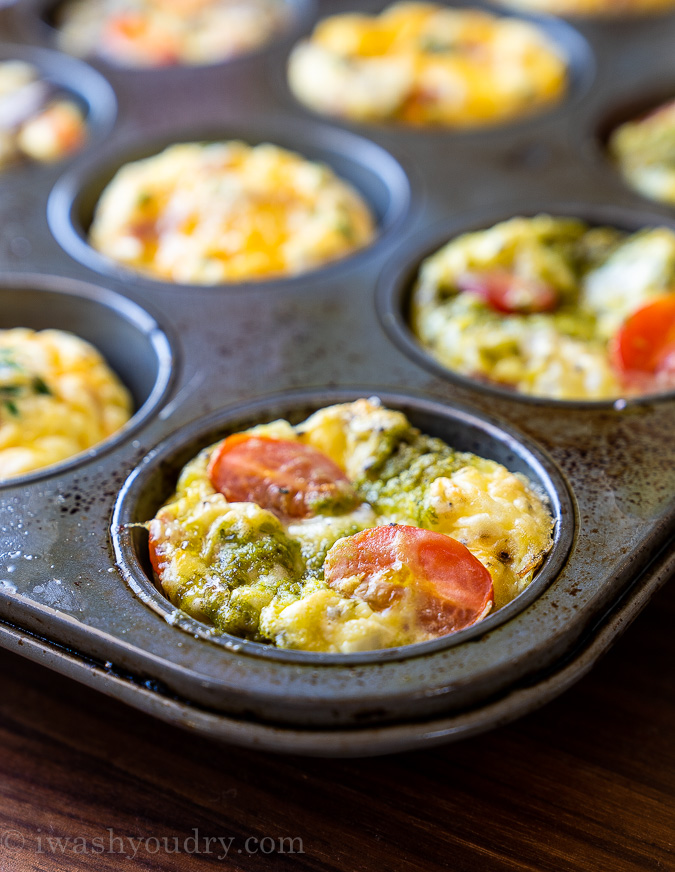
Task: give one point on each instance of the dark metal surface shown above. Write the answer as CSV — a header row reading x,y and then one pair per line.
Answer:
x,y
208,351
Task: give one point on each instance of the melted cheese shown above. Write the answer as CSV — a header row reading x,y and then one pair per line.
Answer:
x,y
58,398
421,63
226,212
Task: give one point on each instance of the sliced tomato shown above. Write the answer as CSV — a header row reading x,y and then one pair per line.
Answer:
x,y
645,343
453,589
508,293
289,478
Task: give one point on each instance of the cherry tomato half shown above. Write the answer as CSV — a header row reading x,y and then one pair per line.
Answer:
x,y
645,343
454,590
508,293
289,478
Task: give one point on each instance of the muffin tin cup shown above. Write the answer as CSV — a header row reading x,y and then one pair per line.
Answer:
x,y
568,40
397,281
154,481
374,173
630,107
131,341
33,20
609,17
75,79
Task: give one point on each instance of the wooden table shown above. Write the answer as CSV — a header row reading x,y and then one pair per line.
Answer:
x,y
587,783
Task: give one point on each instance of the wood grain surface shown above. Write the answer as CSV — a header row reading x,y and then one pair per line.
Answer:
x,y
587,783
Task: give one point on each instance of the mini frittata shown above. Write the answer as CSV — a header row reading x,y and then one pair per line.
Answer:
x,y
36,121
426,64
156,33
553,308
644,152
593,7
349,532
58,397
208,213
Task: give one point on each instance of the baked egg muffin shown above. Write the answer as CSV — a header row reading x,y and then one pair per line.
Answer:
x,y
592,7
58,397
36,121
351,531
156,33
427,64
208,213
644,153
553,308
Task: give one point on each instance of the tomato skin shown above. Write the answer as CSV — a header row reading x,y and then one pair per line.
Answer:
x,y
645,343
452,588
288,478
508,293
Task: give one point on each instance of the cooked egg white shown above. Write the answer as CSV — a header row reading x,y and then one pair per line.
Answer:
x,y
58,397
238,567
601,276
208,213
422,63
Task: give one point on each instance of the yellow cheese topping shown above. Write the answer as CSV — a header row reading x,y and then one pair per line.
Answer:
x,y
226,212
425,64
238,567
58,397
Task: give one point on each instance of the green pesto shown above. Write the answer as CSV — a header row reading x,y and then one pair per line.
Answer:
x,y
339,500
314,553
344,224
259,562
397,487
561,256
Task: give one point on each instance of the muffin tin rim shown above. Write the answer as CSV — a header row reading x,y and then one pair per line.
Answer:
x,y
383,165
395,283
558,494
93,89
31,24
581,67
159,337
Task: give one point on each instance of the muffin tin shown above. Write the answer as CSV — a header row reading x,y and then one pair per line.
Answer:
x,y
75,586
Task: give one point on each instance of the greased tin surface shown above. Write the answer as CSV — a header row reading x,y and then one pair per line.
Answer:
x,y
203,361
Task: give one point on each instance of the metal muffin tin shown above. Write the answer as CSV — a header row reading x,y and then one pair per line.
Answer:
x,y
75,587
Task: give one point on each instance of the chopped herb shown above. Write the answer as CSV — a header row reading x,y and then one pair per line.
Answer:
x,y
20,382
40,387
345,227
